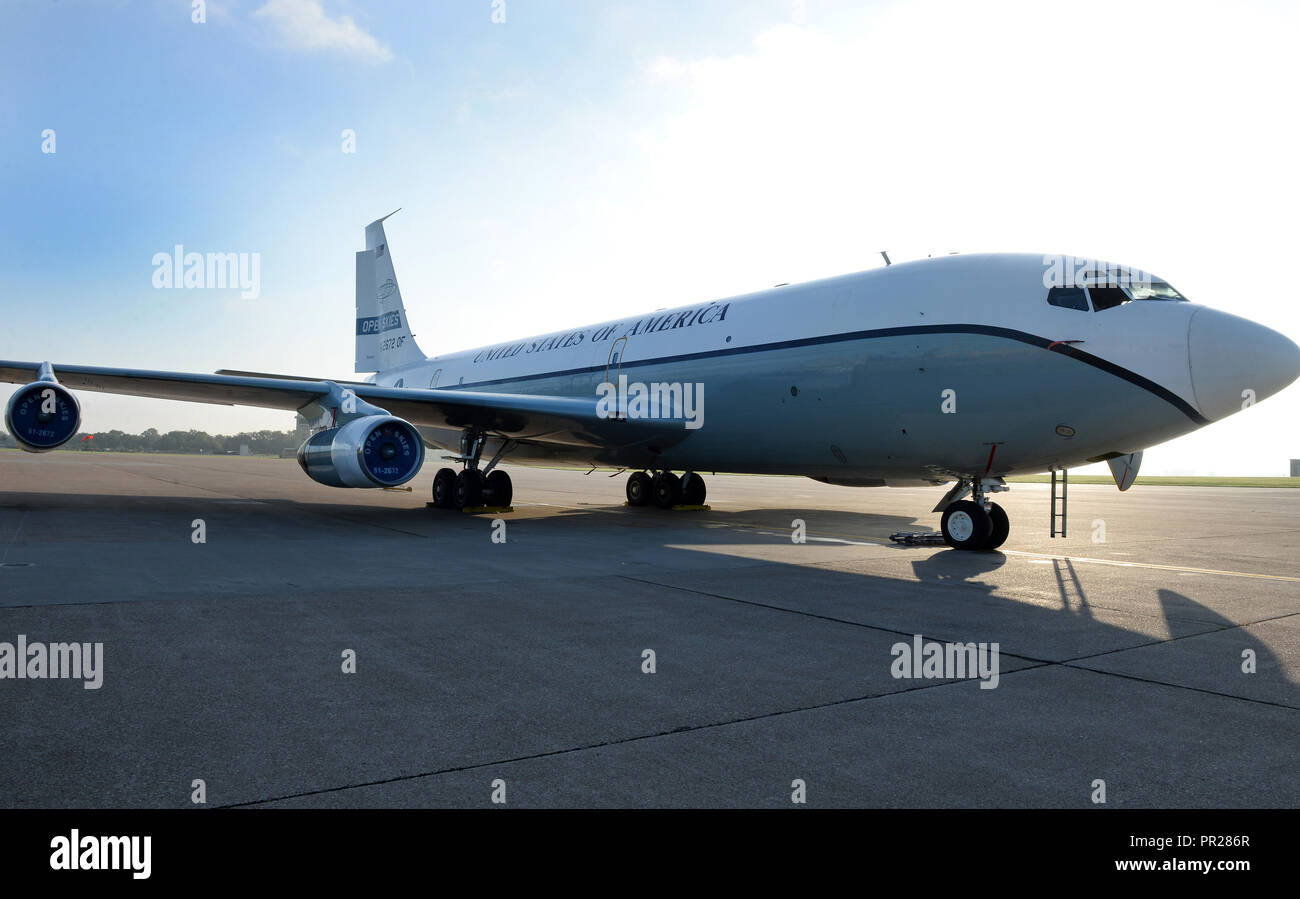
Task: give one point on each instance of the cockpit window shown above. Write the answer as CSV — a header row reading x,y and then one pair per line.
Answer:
x,y
1068,297
1155,290
1107,297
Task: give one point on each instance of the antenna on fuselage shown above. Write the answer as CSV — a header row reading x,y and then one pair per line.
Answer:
x,y
886,255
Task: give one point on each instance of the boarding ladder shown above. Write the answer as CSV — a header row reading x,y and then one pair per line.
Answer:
x,y
1059,497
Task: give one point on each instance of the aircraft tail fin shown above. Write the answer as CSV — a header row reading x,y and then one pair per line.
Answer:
x,y
384,338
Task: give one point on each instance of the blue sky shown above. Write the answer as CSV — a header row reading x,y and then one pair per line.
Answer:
x,y
582,161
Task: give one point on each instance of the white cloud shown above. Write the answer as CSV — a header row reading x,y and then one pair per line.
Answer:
x,y
1148,134
304,25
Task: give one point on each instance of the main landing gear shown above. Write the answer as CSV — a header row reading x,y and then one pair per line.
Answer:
x,y
472,488
665,489
975,523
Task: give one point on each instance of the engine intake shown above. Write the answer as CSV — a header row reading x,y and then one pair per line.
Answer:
x,y
374,451
42,416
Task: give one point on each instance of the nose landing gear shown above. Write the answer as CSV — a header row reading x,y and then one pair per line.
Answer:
x,y
976,523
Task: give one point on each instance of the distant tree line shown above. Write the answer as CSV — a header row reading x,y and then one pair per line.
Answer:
x,y
268,443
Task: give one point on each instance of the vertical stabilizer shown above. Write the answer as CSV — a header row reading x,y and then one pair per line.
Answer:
x,y
384,338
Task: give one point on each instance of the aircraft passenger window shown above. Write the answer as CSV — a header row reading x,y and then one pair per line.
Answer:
x,y
1107,297
1068,297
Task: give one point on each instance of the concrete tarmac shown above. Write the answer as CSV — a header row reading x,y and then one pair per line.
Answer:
x,y
1157,648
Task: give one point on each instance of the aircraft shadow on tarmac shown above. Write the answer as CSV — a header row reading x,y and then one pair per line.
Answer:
x,y
1178,615
744,664
642,529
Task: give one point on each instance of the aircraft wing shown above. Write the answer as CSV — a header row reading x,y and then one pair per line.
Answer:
x,y
525,417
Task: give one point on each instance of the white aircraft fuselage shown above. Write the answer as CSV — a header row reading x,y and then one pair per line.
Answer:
x,y
965,368
926,370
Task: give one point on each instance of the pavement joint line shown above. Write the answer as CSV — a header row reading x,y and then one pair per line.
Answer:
x,y
831,564
1202,690
1072,663
947,584
858,539
1038,663
713,725
944,585
324,511
1213,630
586,747
830,618
14,539
1155,566
1066,558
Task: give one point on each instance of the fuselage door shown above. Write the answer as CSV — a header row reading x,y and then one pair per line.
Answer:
x,y
613,368
614,364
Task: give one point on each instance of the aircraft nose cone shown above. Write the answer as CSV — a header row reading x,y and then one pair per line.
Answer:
x,y
1236,362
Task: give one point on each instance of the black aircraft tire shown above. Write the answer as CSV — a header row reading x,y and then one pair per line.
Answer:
x,y
694,490
966,525
500,491
638,489
444,485
667,490
1001,527
469,489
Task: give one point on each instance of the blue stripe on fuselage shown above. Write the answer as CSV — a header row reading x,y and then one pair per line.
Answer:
x,y
1008,333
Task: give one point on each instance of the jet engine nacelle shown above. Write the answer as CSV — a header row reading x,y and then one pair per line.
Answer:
x,y
42,416
373,451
